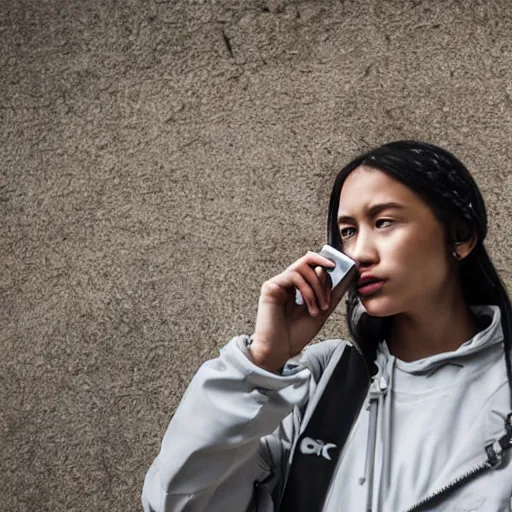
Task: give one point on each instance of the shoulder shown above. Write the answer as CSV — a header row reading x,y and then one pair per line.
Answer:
x,y
318,356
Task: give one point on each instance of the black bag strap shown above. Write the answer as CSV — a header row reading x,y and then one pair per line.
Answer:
x,y
319,446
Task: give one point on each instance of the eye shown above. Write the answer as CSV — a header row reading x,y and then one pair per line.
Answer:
x,y
344,234
385,220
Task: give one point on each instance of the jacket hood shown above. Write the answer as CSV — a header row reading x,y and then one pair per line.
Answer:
x,y
490,334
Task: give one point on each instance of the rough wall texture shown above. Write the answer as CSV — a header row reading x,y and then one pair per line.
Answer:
x,y
160,160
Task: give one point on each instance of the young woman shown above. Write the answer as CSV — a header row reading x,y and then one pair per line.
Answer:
x,y
412,414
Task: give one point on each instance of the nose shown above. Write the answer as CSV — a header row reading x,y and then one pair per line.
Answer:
x,y
363,250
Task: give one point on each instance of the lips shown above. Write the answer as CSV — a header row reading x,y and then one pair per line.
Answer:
x,y
368,288
369,284
367,281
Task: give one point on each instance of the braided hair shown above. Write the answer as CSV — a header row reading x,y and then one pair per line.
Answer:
x,y
447,186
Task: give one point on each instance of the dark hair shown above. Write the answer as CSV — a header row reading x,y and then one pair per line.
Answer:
x,y
446,185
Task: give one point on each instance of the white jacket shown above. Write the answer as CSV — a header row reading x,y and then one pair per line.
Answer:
x,y
414,446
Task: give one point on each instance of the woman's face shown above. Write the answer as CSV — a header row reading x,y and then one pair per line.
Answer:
x,y
404,245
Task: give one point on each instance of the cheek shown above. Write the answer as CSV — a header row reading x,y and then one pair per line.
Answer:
x,y
419,256
415,262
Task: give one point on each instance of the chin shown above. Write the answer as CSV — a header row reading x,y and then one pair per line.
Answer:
x,y
379,306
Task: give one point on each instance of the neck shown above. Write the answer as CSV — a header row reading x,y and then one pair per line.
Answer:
x,y
433,329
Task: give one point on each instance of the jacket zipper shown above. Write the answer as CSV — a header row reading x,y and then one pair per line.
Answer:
x,y
378,389
494,453
454,483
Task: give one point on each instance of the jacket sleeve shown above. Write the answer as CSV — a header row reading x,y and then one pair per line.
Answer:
x,y
227,444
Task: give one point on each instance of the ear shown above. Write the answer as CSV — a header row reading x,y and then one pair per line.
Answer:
x,y
463,238
464,247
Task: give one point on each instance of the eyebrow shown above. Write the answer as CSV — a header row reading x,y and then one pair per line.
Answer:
x,y
373,211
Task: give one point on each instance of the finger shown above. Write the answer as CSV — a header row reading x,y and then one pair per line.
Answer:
x,y
313,277
323,275
291,279
308,295
325,282
314,259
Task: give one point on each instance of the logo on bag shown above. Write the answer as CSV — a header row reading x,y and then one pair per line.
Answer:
x,y
317,447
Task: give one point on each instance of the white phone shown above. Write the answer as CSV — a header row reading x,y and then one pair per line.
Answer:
x,y
344,265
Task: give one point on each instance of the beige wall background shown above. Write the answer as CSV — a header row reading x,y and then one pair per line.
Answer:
x,y
161,159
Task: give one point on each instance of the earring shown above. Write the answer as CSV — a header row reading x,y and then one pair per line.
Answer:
x,y
456,255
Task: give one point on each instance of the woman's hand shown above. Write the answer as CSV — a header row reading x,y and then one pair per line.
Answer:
x,y
283,328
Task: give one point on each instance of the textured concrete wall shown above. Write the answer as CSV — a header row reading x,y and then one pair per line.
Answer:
x,y
160,160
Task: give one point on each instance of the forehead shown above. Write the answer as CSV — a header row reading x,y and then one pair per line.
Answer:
x,y
365,187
